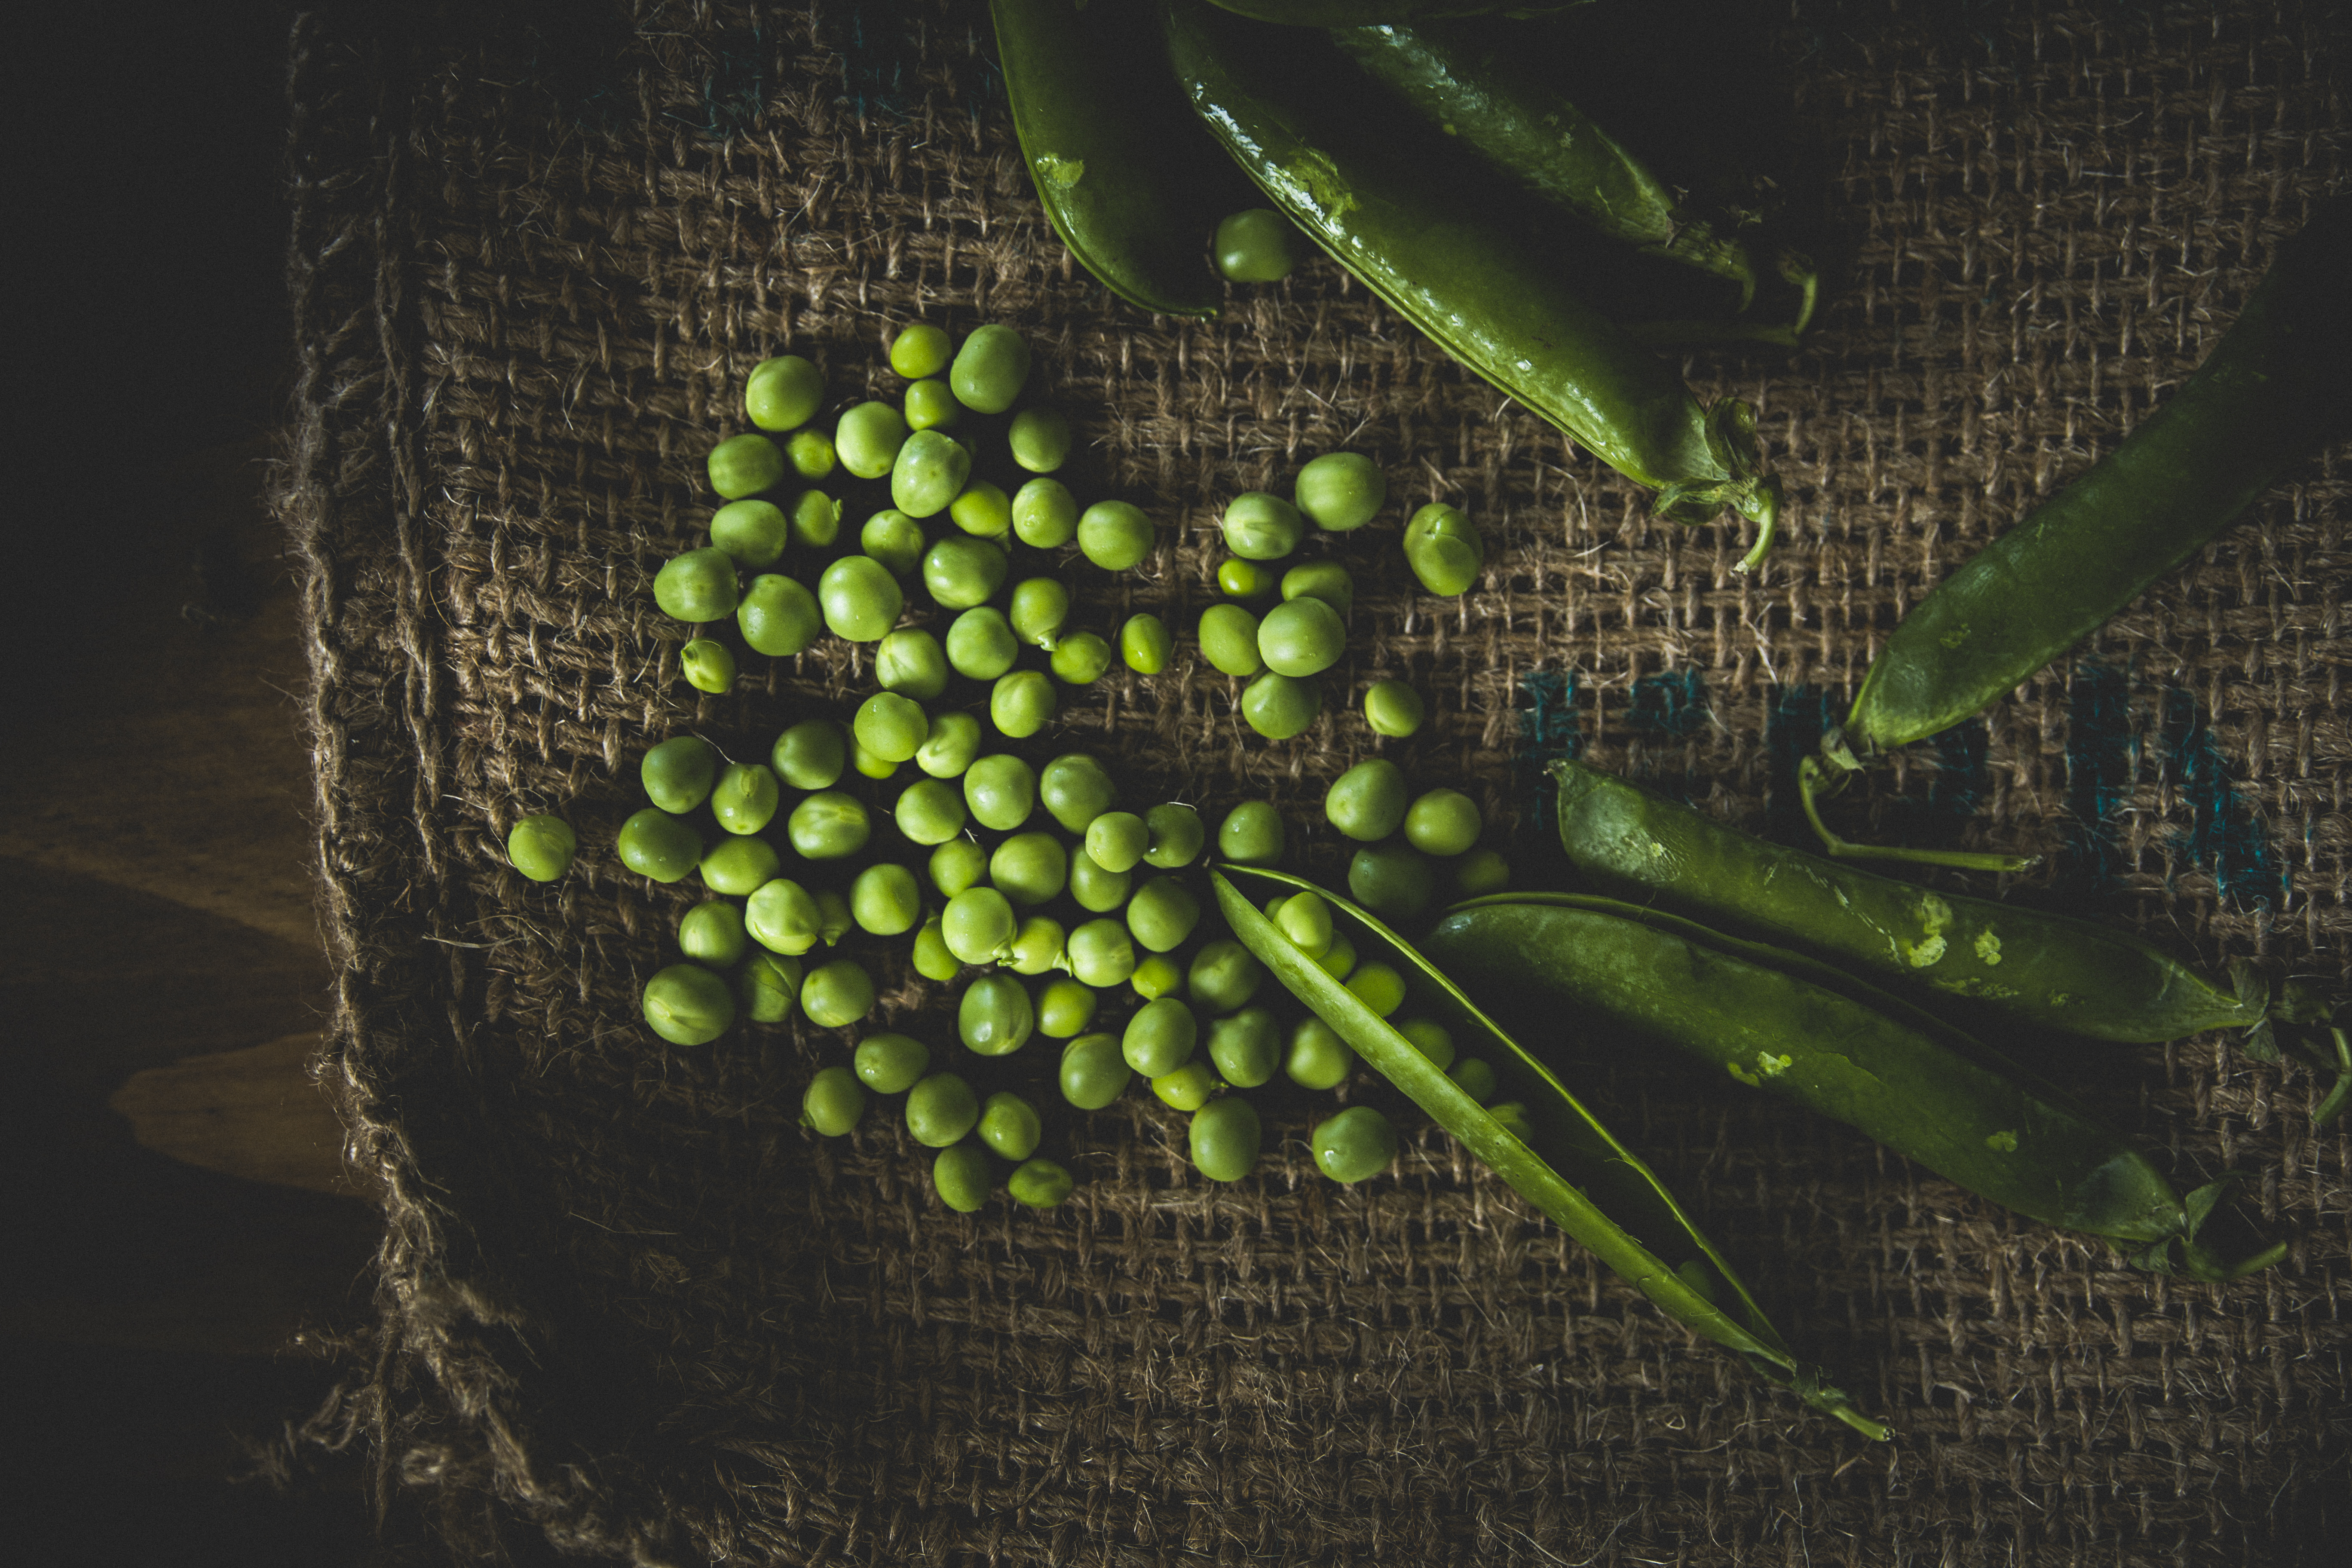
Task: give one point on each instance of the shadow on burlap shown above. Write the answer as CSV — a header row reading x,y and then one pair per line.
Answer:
x,y
627,1300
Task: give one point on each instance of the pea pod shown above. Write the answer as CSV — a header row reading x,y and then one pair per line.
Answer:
x,y
1778,1022
1461,271
1568,1161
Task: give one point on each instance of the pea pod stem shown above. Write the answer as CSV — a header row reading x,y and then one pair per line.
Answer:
x,y
1576,1135
1815,782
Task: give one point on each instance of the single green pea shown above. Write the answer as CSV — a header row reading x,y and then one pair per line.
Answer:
x,y
953,742
892,727
678,773
1393,880
1342,491
833,916
930,812
1076,790
940,1108
1100,952
980,644
1224,1138
1301,637
707,665
1040,439
963,1175
979,925
1176,835
697,586
867,437
1095,890
1246,1046
1021,704
1146,644
1188,1088
836,995
995,1016
1002,791
1223,978
541,847
1443,822
1066,1006
655,844
1044,514
712,934
782,916
860,598
1155,977
1250,834
744,799
870,763
751,532
1081,659
1431,1038
1379,988
1040,1184
1117,840
1367,801
1262,527
932,960
890,1064
778,617
931,405
815,520
960,572
1240,579
810,453
982,510
1114,535
1357,1144
1162,913
894,539
1338,960
1040,607
1038,946
745,465
738,866
1474,1078
811,754
910,663
1443,549
1029,868
835,1101
1306,920
1011,1125
782,392
768,986
920,350
1228,636
828,826
1159,1037
1279,706
1094,1072
990,369
885,900
1257,245
1480,872
1391,708
958,864
686,1004
1318,1057
1324,580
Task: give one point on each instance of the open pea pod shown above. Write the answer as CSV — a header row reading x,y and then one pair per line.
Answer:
x,y
1644,1236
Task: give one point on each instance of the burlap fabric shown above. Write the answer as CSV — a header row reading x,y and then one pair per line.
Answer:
x,y
626,1300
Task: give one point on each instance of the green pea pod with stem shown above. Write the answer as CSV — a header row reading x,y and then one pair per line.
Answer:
x,y
1462,271
1572,1161
2267,398
1778,1021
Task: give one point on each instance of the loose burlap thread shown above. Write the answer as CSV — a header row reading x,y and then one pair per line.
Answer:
x,y
627,1302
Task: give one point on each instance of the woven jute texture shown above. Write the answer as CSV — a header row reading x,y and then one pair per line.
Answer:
x,y
627,1301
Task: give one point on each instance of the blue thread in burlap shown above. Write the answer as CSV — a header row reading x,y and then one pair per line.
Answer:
x,y
1550,731
2099,755
735,83
2224,836
1672,704
1793,726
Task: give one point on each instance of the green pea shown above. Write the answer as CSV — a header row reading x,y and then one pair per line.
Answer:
x,y
1318,1057
940,1108
919,349
1443,549
810,453
1280,706
712,934
1188,1088
836,995
1002,791
1040,1184
958,864
930,812
892,727
1393,880
932,960
983,511
870,763
928,473
1036,946
688,1005
1246,1046
960,572
1443,822
1040,607
1100,952
1022,703
1066,1006
1009,1125
811,754
1342,491
1338,960
1240,579
815,520
885,900
860,598
1431,1038
1075,790
1250,834
1228,636
1354,1144
894,539
1223,978
833,916
828,826
751,532
655,844
1114,535
1324,580
1480,872
1155,977
1081,659
890,1064
782,916
931,406
1146,644
1474,1078
745,465
990,369
1029,868
995,1016
541,847
1223,1139
745,797
1301,637
1095,888
707,665
738,866
979,925
1117,840
1306,920
868,437
1176,835
953,742
1162,913
1044,514
1367,801
1159,1037
778,617
697,586
1094,1072
835,1101
678,774
784,393
1393,708
980,644
768,987
963,1176
910,663
1256,246
1379,988
1262,527
1040,438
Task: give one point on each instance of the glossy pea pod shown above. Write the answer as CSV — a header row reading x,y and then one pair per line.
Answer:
x,y
1462,272
1778,1022
1561,1159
